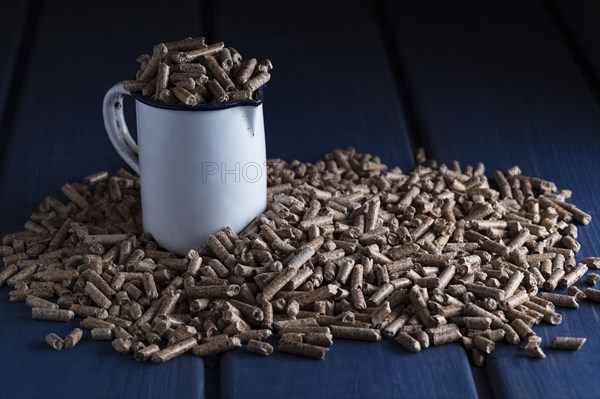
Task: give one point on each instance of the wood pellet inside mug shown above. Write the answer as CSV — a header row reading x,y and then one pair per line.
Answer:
x,y
192,73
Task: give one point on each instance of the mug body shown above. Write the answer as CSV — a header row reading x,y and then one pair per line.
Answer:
x,y
200,171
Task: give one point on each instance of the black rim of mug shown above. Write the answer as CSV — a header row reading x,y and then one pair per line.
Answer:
x,y
202,107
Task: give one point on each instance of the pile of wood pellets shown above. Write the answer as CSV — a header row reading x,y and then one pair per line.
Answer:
x,y
347,249
190,72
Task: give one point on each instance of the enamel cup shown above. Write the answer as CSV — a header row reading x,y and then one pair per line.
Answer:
x,y
201,168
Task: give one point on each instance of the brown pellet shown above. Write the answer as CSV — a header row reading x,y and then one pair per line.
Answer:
x,y
217,346
322,339
162,77
219,73
92,322
149,286
172,351
257,81
55,341
245,71
256,335
564,301
592,278
193,55
522,328
52,314
445,336
408,342
568,343
302,349
484,344
7,273
535,352
73,338
478,323
357,333
592,294
212,291
576,292
259,347
146,353
36,302
303,329
74,196
97,296
184,96
121,345
102,334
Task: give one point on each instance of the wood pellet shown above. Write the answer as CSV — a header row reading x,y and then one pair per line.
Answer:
x,y
568,343
347,249
191,74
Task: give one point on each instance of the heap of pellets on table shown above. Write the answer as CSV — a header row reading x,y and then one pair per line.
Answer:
x,y
346,249
190,72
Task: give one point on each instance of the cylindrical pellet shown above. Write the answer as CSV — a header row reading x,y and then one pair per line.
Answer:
x,y
568,343
408,342
478,323
302,349
484,344
102,334
218,346
256,335
259,347
446,336
513,283
122,346
149,286
212,291
73,338
52,314
54,341
321,339
97,296
522,328
592,294
564,301
7,273
174,350
356,333
146,353
36,302
535,352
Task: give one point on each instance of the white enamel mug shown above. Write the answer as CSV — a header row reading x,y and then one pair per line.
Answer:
x,y
201,168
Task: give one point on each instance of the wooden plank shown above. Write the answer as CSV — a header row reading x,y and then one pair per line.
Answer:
x,y
332,86
31,369
496,83
79,51
12,21
579,22
351,369
12,31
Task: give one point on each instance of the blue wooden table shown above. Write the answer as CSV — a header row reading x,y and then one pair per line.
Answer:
x,y
512,82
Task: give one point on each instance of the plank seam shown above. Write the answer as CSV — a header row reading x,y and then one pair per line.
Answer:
x,y
415,132
26,38
579,57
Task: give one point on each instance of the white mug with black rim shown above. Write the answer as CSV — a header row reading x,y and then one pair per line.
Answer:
x,y
201,168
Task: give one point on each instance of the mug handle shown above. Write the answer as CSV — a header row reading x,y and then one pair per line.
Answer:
x,y
116,127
